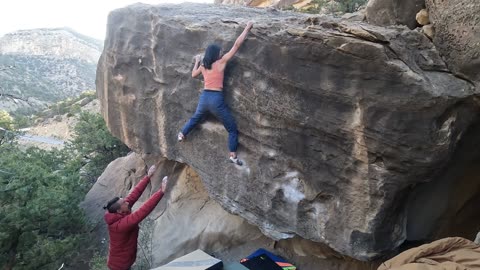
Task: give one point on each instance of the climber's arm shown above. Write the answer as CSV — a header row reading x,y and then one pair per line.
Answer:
x,y
130,221
197,69
140,187
137,191
237,43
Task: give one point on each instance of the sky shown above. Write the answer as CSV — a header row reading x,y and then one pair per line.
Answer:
x,y
88,17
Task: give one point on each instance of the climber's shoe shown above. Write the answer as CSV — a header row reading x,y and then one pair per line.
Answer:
x,y
236,161
180,137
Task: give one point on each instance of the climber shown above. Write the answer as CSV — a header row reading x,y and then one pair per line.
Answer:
x,y
123,224
212,99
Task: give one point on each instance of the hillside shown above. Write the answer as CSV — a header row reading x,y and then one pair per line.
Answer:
x,y
57,128
42,66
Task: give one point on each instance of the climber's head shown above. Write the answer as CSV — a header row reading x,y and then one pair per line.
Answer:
x,y
212,54
118,205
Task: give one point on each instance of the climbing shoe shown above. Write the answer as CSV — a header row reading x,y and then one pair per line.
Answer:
x,y
180,137
236,161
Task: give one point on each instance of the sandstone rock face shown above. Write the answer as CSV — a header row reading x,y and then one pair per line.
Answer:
x,y
338,121
448,206
457,35
187,219
192,220
391,12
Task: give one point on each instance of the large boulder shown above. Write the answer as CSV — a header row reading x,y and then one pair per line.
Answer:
x,y
338,121
457,35
392,12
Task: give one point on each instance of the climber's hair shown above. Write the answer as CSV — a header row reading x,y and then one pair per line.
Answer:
x,y
212,54
112,205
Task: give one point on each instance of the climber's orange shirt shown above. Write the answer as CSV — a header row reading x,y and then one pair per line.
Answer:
x,y
213,77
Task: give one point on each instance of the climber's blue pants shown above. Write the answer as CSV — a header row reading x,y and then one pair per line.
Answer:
x,y
214,103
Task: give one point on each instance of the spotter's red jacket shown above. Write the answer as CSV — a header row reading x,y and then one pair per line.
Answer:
x,y
123,228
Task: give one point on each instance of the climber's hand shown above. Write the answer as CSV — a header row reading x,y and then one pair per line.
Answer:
x,y
198,57
164,183
249,25
151,171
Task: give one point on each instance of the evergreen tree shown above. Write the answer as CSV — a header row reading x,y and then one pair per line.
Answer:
x,y
42,224
6,124
6,121
94,145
